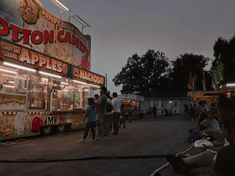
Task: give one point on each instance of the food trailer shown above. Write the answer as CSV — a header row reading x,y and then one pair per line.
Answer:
x,y
132,100
45,76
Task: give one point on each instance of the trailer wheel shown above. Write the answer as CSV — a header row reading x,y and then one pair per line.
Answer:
x,y
60,128
46,130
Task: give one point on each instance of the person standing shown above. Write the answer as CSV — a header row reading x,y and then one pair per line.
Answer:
x,y
90,119
96,97
101,109
108,115
123,116
116,113
154,112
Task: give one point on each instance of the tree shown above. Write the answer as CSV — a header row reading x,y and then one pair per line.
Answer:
x,y
224,53
143,74
183,66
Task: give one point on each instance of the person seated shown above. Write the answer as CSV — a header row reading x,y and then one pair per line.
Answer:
x,y
210,123
220,158
203,159
206,122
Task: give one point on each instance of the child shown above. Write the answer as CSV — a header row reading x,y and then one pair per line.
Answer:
x,y
90,119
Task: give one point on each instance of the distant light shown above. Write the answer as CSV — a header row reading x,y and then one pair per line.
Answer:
x,y
19,67
60,5
230,84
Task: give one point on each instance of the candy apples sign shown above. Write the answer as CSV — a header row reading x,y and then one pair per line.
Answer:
x,y
13,52
45,33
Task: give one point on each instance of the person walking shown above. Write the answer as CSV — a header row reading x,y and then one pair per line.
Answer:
x,y
116,113
90,119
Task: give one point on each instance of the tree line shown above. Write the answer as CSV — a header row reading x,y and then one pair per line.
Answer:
x,y
154,72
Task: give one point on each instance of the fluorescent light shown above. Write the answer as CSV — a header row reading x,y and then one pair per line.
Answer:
x,y
49,74
86,90
19,67
11,81
39,2
60,5
230,84
92,85
8,86
44,80
13,76
7,71
64,83
80,82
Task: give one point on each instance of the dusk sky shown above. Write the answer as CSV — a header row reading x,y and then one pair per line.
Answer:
x,y
121,28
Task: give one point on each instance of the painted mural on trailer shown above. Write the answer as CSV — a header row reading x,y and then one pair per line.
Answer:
x,y
27,23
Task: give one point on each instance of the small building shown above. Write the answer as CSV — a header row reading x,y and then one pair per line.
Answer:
x,y
171,101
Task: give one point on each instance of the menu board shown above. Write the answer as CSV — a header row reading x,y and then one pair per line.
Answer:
x,y
12,102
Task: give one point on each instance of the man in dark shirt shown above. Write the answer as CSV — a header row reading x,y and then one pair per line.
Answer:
x,y
225,161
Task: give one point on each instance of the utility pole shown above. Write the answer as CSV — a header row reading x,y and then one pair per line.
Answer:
x,y
106,80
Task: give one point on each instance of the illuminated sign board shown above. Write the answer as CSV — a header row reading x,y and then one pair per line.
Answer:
x,y
87,76
31,58
24,56
32,26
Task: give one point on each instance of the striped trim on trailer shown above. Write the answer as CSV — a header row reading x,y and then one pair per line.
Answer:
x,y
9,113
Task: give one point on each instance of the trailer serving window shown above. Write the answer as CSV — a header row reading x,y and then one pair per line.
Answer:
x,y
12,83
77,99
38,90
68,99
57,97
13,89
85,95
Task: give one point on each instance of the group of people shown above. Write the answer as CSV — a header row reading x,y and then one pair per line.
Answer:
x,y
216,124
152,111
103,112
193,110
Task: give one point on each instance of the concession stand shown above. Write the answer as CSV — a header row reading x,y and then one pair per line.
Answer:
x,y
132,104
130,98
204,96
133,101
45,76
